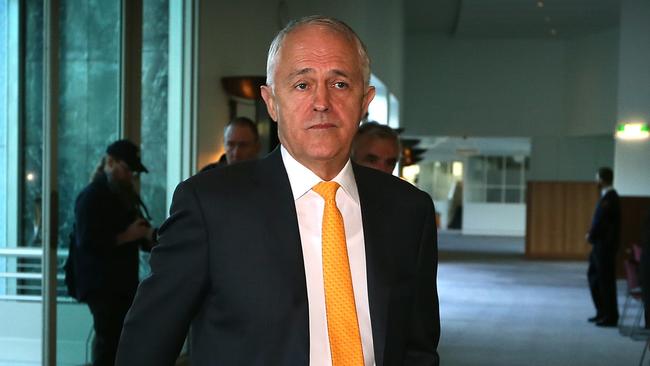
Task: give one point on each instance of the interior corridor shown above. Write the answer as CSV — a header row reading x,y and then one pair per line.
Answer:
x,y
497,308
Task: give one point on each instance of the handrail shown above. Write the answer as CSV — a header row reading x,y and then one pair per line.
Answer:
x,y
29,252
28,272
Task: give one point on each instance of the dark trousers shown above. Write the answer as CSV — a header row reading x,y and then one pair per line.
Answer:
x,y
602,282
108,316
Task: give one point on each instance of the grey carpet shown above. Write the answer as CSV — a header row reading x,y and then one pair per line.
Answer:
x,y
498,308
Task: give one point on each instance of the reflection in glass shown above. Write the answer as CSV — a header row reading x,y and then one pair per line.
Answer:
x,y
155,50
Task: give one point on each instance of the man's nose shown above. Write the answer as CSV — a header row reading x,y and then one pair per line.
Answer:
x,y
321,99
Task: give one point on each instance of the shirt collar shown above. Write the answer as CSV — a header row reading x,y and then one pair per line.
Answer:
x,y
604,191
302,179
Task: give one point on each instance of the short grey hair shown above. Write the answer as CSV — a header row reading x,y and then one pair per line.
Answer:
x,y
328,22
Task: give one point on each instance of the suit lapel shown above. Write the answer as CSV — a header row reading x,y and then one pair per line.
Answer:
x,y
378,288
276,201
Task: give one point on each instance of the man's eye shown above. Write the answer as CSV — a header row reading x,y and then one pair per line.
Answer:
x,y
371,159
301,86
340,85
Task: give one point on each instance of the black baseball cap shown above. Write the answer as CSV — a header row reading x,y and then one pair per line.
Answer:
x,y
129,153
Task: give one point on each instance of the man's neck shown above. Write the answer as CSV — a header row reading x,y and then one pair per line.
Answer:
x,y
324,169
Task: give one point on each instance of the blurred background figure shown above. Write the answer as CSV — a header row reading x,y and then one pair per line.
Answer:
x,y
110,226
376,146
241,142
604,236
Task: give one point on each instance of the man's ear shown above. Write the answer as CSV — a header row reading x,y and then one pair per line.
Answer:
x,y
367,98
269,100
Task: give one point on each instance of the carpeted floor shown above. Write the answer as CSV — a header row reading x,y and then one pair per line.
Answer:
x,y
498,308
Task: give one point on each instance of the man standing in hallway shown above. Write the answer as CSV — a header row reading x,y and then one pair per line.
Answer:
x,y
604,236
376,146
241,141
307,259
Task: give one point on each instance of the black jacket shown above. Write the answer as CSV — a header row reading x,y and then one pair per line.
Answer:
x,y
606,223
102,267
229,263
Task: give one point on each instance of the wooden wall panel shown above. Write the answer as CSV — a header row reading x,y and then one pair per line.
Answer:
x,y
558,217
581,200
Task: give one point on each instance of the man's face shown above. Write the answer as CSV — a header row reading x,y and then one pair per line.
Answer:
x,y
318,96
377,153
240,144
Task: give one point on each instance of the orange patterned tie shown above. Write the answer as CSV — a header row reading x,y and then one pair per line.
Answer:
x,y
342,324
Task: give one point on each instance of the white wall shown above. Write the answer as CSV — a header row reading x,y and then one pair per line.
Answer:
x,y
494,219
632,159
234,38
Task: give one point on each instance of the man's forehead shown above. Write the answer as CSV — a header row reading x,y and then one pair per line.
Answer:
x,y
378,142
239,130
317,39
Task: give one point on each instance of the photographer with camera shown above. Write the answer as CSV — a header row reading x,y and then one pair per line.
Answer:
x,y
110,227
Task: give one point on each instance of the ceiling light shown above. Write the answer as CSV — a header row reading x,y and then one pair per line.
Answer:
x,y
632,131
553,32
540,4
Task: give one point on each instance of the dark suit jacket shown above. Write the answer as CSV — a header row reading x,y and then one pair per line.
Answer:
x,y
229,263
102,268
606,223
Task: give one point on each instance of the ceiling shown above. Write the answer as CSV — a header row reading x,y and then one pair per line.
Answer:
x,y
511,18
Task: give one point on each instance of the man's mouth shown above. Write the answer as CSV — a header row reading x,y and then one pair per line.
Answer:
x,y
322,126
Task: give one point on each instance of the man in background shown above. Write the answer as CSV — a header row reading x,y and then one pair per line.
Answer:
x,y
603,236
110,227
376,146
241,142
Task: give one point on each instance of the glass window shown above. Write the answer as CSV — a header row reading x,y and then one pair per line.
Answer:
x,y
89,96
4,107
475,170
514,170
513,195
378,108
494,195
496,179
155,53
393,111
4,43
494,165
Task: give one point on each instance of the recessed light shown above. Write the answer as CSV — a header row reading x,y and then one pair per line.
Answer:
x,y
553,32
540,4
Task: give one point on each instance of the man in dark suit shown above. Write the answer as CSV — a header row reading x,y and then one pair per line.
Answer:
x,y
245,260
604,237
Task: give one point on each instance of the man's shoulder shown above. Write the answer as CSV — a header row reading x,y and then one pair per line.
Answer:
x,y
389,187
95,190
233,178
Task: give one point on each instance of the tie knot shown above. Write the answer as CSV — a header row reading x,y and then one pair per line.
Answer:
x,y
327,190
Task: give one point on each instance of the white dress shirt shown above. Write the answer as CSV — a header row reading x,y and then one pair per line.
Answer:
x,y
309,207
